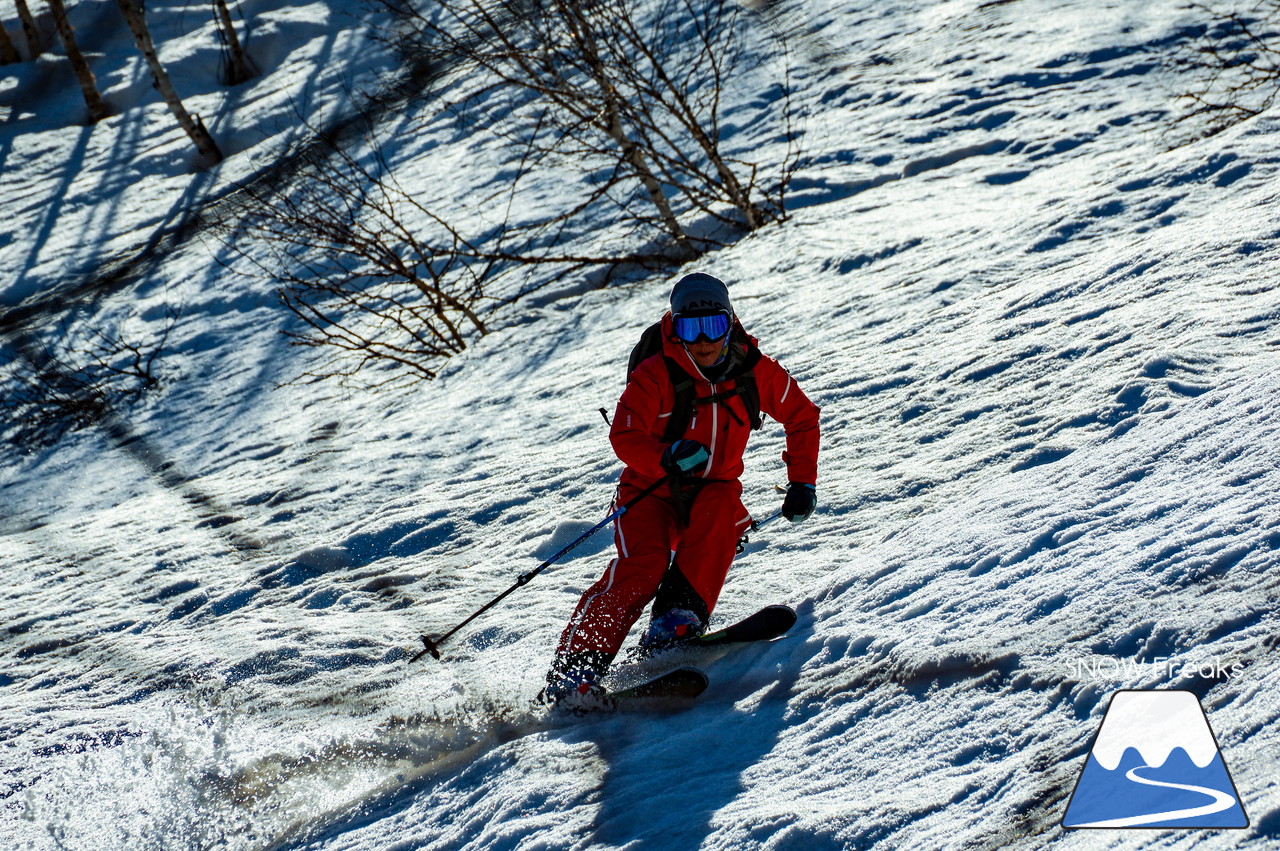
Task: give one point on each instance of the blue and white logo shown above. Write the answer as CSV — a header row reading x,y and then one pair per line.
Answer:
x,y
1155,763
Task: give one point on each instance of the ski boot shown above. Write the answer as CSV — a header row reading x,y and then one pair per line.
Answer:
x,y
576,690
671,629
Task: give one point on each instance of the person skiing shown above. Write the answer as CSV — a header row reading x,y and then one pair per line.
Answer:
x,y
685,416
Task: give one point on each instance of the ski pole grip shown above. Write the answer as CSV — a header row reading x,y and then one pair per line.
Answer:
x,y
429,646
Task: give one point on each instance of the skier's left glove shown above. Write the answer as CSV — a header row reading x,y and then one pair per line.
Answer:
x,y
684,456
799,502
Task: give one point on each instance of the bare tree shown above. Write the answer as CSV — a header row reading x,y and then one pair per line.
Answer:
x,y
134,14
384,286
8,53
1234,67
237,67
634,88
84,75
347,253
387,287
29,30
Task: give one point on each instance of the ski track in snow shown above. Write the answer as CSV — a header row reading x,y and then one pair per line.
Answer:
x,y
1046,351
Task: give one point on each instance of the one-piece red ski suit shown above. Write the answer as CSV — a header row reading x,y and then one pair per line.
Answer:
x,y
648,533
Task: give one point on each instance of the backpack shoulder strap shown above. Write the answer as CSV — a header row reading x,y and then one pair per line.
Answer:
x,y
744,385
750,392
683,387
682,406
745,380
649,345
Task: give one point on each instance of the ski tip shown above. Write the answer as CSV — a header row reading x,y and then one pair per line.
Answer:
x,y
780,607
766,624
782,615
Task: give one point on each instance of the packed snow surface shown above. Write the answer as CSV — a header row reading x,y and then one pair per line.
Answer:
x,y
1044,342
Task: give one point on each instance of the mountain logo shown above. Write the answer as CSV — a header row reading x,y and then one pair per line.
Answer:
x,y
1155,763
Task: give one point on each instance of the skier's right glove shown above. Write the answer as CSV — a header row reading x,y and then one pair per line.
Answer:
x,y
799,502
684,456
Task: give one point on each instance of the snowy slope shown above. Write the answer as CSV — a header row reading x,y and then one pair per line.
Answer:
x,y
1045,348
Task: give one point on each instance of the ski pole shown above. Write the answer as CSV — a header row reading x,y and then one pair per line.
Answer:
x,y
756,526
432,645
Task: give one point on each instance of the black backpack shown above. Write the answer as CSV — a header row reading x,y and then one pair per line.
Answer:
x,y
743,377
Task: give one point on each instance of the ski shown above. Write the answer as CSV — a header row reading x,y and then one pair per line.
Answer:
x,y
682,683
765,625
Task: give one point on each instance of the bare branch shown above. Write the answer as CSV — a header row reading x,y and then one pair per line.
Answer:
x,y
1234,68
610,81
75,376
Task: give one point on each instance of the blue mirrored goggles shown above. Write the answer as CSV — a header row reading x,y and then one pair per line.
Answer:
x,y
691,329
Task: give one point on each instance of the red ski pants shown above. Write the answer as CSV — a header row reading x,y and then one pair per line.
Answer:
x,y
645,536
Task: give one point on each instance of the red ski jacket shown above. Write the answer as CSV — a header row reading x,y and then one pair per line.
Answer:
x,y
639,421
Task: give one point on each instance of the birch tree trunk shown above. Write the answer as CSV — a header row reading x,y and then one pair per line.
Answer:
x,y
134,15
8,53
88,85
611,122
29,28
239,68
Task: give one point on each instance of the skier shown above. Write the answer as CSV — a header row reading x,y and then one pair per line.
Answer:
x,y
711,383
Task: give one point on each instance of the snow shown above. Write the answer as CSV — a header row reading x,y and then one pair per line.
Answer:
x,y
1045,345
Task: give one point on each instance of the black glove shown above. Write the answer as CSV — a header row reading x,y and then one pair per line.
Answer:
x,y
684,456
799,502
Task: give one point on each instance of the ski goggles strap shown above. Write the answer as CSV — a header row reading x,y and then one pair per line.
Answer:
x,y
712,326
